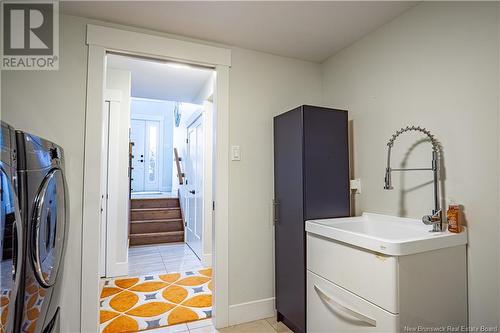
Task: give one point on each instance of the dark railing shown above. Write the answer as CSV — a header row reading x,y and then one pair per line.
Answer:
x,y
180,174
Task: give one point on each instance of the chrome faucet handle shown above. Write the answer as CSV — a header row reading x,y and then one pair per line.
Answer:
x,y
435,219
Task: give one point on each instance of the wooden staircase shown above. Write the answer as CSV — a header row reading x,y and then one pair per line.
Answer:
x,y
155,221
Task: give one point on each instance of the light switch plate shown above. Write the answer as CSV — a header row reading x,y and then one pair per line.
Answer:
x,y
235,153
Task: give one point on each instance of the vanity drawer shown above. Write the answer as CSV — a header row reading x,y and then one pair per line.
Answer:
x,y
369,275
334,309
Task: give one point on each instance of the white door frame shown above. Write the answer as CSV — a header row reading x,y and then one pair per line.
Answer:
x,y
101,40
146,117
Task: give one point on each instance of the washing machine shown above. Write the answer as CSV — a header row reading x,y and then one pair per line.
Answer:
x,y
42,197
11,231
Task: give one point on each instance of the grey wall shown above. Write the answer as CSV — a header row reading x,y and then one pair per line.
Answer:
x,y
51,104
436,66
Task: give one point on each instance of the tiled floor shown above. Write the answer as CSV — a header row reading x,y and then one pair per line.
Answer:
x,y
205,326
160,259
154,259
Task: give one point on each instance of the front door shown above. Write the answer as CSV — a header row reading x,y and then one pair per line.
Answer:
x,y
145,134
194,178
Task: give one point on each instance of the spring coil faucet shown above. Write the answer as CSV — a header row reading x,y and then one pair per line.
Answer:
x,y
436,218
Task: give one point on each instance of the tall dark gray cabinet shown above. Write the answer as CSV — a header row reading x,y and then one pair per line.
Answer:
x,y
311,181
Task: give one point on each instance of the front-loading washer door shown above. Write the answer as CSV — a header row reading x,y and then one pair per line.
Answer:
x,y
49,221
10,251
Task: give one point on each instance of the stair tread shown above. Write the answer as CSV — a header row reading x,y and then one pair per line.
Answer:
x,y
155,199
154,209
163,233
159,220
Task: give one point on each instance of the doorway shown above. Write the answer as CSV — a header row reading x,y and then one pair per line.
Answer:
x,y
167,107
101,40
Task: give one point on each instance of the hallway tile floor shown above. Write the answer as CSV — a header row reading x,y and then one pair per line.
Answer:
x,y
164,258
167,258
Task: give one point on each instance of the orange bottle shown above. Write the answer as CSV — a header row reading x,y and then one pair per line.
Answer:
x,y
453,215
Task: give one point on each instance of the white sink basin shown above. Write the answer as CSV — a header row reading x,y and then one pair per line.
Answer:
x,y
385,234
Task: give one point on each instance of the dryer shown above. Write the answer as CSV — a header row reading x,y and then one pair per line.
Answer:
x,y
11,231
42,193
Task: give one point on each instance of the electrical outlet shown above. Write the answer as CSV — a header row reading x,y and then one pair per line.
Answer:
x,y
355,185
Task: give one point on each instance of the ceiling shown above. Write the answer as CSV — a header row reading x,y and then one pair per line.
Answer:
x,y
308,30
162,80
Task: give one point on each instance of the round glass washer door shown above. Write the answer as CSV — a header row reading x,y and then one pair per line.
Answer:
x,y
48,224
10,251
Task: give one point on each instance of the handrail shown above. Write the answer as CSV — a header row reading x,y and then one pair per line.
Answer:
x,y
180,174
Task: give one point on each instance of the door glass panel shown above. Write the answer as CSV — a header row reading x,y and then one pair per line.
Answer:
x,y
153,153
49,231
8,253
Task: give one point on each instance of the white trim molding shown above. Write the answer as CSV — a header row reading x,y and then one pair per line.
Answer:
x,y
206,259
251,311
91,235
140,43
220,226
102,40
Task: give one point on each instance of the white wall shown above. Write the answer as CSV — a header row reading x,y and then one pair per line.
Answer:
x,y
206,90
436,66
121,80
187,111
164,110
52,104
261,86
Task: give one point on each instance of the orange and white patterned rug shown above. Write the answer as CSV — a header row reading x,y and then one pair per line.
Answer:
x,y
135,304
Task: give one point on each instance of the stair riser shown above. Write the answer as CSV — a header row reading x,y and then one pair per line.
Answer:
x,y
155,215
154,203
152,227
154,239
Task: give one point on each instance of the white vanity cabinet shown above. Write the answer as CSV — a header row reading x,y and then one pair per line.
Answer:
x,y
354,289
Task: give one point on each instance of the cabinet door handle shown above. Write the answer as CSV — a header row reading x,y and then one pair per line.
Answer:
x,y
276,206
343,308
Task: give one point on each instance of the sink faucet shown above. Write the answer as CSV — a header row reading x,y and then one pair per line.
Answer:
x,y
436,218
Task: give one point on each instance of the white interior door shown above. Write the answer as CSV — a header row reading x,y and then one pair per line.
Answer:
x,y
146,162
104,187
138,136
198,196
114,200
194,176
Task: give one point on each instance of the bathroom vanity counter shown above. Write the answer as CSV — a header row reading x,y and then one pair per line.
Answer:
x,y
379,273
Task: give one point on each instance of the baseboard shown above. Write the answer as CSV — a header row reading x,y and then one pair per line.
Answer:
x,y
250,311
206,259
117,269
